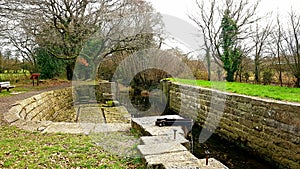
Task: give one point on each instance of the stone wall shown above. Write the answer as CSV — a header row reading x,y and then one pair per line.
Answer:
x,y
269,128
56,106
106,91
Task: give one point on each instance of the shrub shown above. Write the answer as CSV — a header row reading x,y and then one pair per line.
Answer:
x,y
267,77
247,76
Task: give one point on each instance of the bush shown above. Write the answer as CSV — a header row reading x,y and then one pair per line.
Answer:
x,y
267,77
247,76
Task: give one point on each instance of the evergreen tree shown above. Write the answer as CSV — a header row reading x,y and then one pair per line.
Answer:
x,y
232,55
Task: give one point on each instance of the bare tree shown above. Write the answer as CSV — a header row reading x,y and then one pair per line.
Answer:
x,y
275,48
260,40
290,45
209,20
64,27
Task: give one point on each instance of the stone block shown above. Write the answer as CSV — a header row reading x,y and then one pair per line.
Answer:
x,y
31,125
164,139
162,148
167,158
62,127
212,164
192,164
12,115
111,127
90,115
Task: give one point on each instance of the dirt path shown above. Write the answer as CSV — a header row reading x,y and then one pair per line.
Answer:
x,y
6,102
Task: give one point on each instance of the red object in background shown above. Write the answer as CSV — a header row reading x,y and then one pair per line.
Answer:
x,y
35,76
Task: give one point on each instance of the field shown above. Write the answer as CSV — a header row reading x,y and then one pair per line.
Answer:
x,y
263,91
22,149
15,77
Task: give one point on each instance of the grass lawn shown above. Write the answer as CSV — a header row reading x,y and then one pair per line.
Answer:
x,y
23,149
263,91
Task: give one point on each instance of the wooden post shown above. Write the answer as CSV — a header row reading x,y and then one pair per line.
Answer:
x,y
35,76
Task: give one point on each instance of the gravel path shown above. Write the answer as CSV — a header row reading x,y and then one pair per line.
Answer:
x,y
6,102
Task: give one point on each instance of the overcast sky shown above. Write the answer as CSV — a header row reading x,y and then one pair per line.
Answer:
x,y
184,34
180,8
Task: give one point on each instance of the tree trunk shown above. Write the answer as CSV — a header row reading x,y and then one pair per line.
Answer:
x,y
257,77
279,64
209,70
70,70
280,77
208,63
230,76
297,82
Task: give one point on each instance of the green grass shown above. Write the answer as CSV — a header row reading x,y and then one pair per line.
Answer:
x,y
14,77
23,149
263,91
21,89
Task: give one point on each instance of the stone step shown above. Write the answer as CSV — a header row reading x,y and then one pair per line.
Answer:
x,y
165,139
85,128
90,115
212,164
166,147
162,148
171,158
146,125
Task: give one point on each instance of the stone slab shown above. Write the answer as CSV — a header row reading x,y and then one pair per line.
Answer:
x,y
62,127
13,114
150,121
154,149
90,115
200,164
164,131
175,157
85,128
111,127
147,126
212,164
164,147
163,139
192,164
31,125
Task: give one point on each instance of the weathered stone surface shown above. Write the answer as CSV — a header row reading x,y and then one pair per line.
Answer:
x,y
111,127
90,115
12,115
117,114
182,165
147,126
44,106
164,139
155,149
62,127
212,164
167,150
176,157
31,125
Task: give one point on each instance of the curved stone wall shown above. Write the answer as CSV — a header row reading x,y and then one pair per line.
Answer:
x,y
58,111
55,106
268,127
